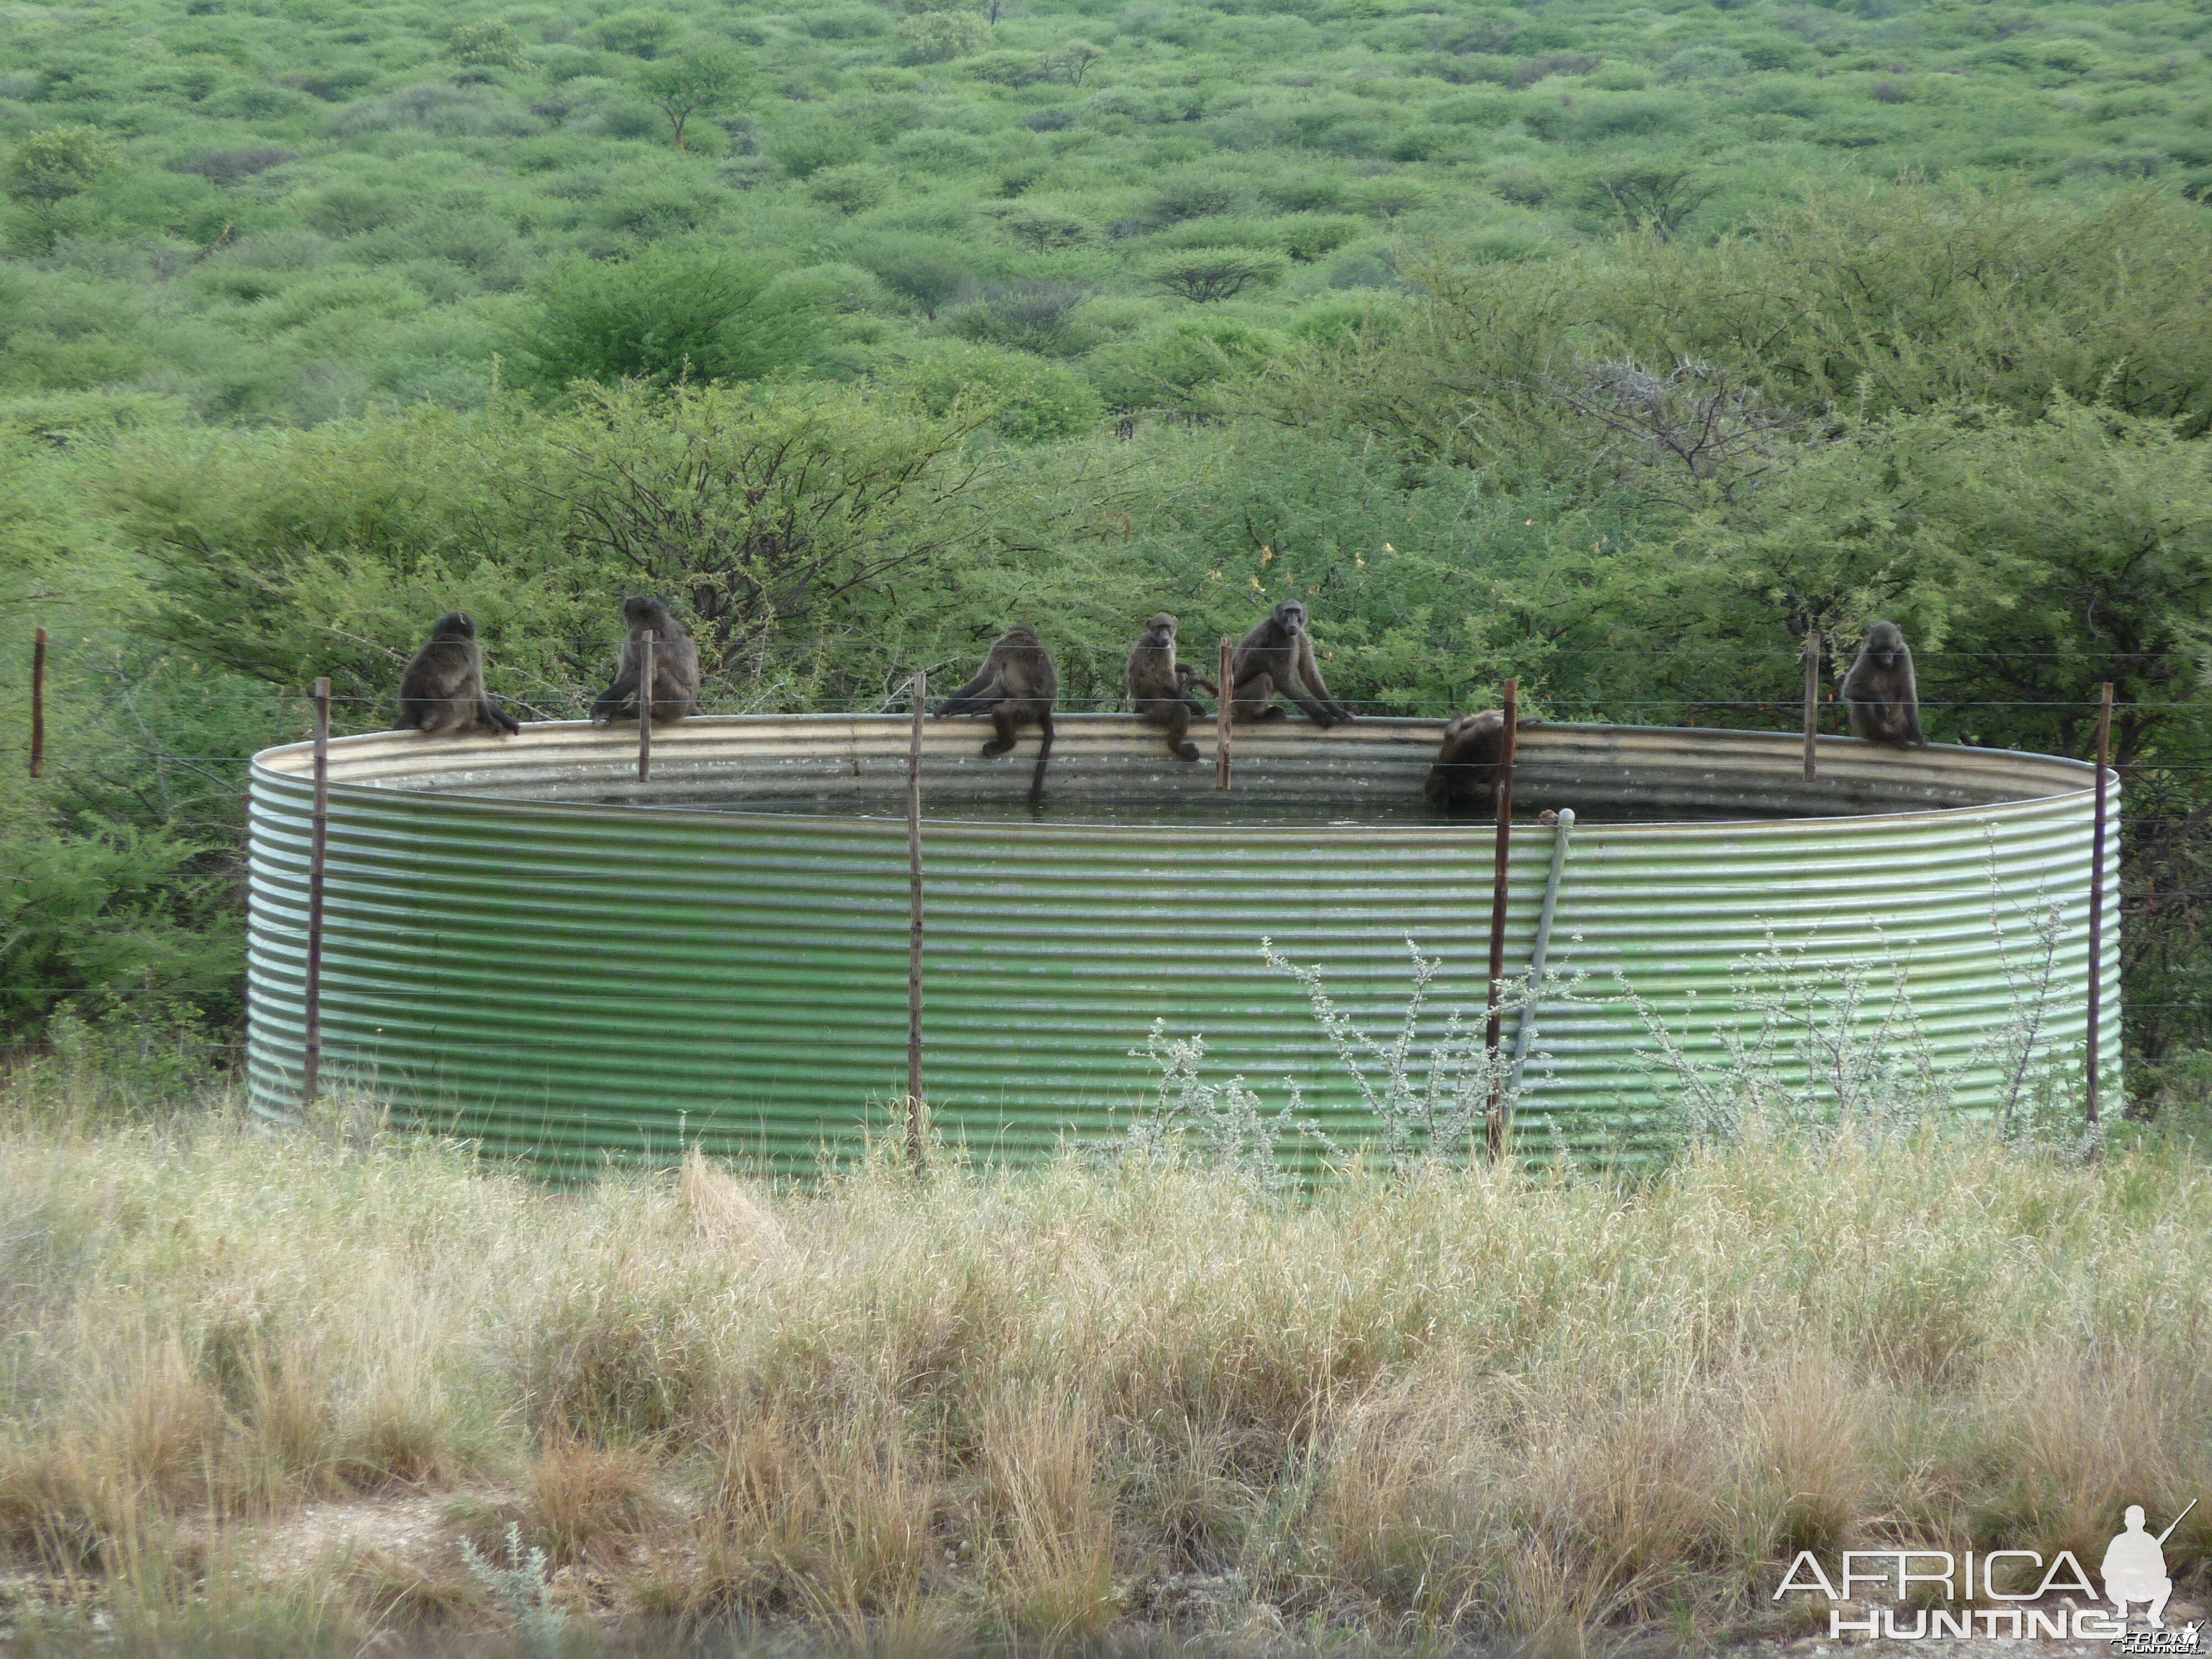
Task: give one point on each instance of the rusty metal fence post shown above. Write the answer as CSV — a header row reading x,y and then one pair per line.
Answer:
x,y
914,1106
1221,717
645,711
311,1062
1495,1133
1811,697
2097,890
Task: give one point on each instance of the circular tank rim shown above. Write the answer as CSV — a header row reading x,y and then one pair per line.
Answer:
x,y
2038,775
572,982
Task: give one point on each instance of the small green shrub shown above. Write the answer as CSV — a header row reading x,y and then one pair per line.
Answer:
x,y
641,32
941,37
851,189
804,150
1172,369
670,313
486,45
1036,401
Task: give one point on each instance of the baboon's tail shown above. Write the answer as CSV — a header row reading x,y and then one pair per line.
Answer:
x,y
1044,753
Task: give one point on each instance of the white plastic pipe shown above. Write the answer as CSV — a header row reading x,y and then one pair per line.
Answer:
x,y
1525,1027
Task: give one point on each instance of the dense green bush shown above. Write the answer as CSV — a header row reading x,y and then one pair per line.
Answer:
x,y
329,552
940,37
1174,369
672,314
1034,402
49,167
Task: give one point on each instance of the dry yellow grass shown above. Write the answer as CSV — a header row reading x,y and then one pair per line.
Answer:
x,y
914,1414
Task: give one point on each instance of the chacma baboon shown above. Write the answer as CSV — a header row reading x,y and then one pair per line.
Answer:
x,y
675,690
1276,658
1468,761
443,688
1159,687
1878,692
1014,688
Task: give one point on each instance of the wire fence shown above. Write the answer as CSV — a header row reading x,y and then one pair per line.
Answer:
x,y
85,745
85,750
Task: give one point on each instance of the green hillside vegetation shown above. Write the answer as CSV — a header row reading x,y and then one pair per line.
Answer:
x,y
1612,349
293,211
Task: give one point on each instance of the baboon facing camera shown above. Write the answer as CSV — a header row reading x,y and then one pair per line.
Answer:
x,y
1880,694
1159,687
1276,658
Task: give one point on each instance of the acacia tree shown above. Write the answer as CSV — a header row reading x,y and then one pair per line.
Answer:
x,y
762,513
486,45
773,520
1659,199
1203,275
1071,61
49,167
1042,228
703,80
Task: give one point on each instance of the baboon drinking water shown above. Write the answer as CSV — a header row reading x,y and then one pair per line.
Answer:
x,y
1276,658
675,690
1159,687
443,689
1014,688
1468,761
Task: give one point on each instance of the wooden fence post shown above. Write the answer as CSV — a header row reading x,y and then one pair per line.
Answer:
x,y
38,704
311,1063
1495,1134
1221,716
1811,697
645,711
2097,890
914,1106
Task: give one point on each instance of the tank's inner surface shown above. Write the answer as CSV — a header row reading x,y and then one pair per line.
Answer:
x,y
1214,808
1109,770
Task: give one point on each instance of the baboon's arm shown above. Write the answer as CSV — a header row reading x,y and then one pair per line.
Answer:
x,y
619,698
1308,670
978,695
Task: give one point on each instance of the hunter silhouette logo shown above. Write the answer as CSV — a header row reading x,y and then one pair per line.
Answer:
x,y
1951,1596
2135,1566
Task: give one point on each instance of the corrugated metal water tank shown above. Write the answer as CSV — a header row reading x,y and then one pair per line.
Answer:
x,y
525,945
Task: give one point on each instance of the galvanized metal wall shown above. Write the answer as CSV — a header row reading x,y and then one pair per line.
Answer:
x,y
509,958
